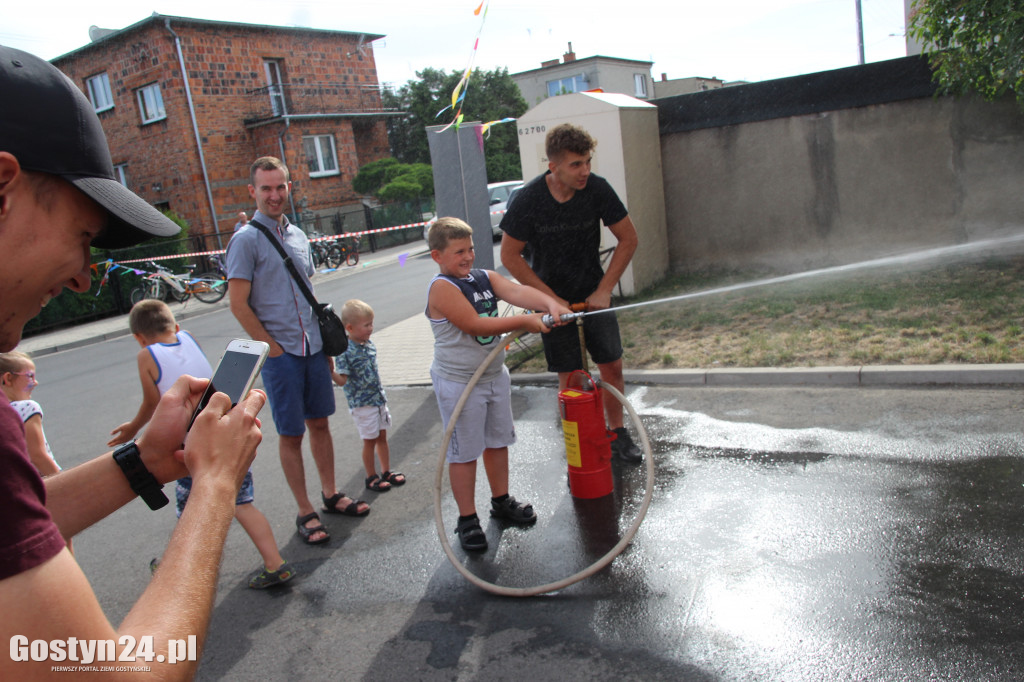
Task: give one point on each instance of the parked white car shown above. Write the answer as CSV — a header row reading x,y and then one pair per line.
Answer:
x,y
498,194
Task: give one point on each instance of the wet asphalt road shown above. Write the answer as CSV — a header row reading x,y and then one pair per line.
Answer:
x,y
794,534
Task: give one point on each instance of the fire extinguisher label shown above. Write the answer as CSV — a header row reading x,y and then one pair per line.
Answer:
x,y
572,443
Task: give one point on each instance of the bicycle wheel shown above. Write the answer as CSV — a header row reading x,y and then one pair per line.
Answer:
x,y
336,256
321,254
137,294
156,289
353,257
210,287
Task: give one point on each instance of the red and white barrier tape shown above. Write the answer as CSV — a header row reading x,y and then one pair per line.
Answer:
x,y
332,237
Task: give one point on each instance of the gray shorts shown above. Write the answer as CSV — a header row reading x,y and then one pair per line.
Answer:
x,y
485,420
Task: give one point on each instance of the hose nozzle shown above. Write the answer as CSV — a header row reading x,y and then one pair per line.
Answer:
x,y
549,319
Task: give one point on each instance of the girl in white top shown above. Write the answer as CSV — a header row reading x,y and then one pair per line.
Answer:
x,y
18,378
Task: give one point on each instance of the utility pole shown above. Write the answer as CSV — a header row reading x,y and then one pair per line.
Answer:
x,y
860,33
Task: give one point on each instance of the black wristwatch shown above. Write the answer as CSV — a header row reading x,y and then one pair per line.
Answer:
x,y
142,482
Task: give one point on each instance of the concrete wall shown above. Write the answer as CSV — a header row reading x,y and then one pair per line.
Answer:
x,y
836,168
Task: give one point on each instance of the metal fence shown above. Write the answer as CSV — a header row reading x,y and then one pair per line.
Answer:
x,y
117,272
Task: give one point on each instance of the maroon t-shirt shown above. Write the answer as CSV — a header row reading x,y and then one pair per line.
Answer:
x,y
28,536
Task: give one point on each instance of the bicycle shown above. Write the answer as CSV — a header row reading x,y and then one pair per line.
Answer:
x,y
217,263
320,250
341,253
208,287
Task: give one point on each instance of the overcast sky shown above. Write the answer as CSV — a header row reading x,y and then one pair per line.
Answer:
x,y
748,40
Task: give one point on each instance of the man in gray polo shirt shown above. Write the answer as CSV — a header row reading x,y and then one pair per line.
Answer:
x,y
269,305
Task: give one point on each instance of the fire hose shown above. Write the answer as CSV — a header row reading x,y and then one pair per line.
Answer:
x,y
598,565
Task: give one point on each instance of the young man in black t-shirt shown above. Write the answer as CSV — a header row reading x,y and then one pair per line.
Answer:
x,y
558,215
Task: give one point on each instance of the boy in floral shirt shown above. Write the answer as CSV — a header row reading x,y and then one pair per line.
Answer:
x,y
356,371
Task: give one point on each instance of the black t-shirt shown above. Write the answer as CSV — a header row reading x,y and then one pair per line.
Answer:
x,y
564,240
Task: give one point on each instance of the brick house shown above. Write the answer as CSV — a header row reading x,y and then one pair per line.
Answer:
x,y
308,96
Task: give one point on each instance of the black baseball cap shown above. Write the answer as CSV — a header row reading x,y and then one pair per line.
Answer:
x,y
50,126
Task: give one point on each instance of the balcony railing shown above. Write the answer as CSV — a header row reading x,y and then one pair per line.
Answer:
x,y
313,99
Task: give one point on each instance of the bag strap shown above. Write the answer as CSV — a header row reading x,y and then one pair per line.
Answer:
x,y
290,265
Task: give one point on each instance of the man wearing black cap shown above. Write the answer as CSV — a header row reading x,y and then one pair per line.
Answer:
x,y
58,196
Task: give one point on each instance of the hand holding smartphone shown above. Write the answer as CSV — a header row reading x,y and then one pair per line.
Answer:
x,y
236,372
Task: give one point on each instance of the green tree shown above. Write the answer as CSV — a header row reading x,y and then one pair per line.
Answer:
x,y
975,45
390,180
490,96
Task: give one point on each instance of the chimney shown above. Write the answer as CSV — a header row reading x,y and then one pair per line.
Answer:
x,y
664,77
569,56
548,63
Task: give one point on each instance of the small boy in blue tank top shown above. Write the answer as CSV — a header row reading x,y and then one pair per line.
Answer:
x,y
462,306
167,353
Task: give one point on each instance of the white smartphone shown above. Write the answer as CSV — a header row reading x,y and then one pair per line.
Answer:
x,y
236,373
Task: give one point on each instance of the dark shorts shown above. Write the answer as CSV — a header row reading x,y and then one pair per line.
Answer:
x,y
562,344
298,388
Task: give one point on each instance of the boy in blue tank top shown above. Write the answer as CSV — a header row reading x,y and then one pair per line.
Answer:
x,y
167,353
462,306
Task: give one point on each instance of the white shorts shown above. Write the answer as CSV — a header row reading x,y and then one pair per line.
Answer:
x,y
485,420
371,420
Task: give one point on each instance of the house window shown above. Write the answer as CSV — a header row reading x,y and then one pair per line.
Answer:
x,y
640,84
151,103
99,92
564,86
121,173
275,86
320,155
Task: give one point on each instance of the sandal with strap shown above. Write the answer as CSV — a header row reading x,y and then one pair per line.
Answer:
x,y
471,535
513,511
377,484
351,509
307,533
265,578
393,477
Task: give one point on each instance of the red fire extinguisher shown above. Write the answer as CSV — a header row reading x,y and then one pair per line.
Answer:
x,y
588,447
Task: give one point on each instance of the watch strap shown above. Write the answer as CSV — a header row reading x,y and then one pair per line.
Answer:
x,y
142,482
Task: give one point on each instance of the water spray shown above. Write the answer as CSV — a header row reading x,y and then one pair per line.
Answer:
x,y
916,257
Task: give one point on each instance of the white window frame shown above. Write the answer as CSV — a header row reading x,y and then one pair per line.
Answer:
x,y
98,87
275,86
121,173
575,83
321,144
151,103
640,85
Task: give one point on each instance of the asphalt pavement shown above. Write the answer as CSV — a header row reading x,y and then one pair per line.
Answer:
x,y
819,524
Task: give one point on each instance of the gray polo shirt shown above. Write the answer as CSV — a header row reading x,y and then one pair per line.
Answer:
x,y
275,298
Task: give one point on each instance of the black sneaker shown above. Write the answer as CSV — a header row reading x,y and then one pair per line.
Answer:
x,y
624,448
471,535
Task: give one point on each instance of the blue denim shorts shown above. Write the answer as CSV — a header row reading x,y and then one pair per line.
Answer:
x,y
298,388
184,488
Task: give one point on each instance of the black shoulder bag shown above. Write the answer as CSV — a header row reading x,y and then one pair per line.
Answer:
x,y
332,331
